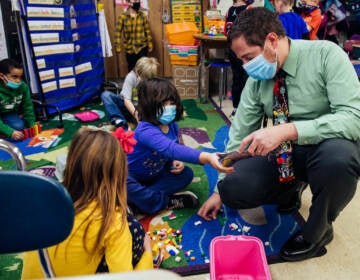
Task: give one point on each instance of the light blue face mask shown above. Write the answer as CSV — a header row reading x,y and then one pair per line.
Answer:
x,y
168,114
12,84
260,69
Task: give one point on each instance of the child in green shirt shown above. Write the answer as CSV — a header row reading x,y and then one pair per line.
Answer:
x,y
16,108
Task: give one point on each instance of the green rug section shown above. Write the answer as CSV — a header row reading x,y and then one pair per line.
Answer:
x,y
201,115
10,266
197,115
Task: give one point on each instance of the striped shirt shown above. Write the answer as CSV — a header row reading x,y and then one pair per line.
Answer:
x,y
133,32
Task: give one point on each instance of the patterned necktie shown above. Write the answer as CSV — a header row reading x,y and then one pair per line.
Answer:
x,y
280,116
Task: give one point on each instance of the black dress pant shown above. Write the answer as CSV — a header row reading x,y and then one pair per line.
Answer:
x,y
132,58
239,78
331,168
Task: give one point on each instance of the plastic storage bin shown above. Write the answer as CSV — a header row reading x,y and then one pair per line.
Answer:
x,y
183,55
238,257
181,33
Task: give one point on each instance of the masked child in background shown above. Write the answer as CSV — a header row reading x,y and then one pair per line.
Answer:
x,y
16,108
133,31
156,169
121,109
239,76
95,177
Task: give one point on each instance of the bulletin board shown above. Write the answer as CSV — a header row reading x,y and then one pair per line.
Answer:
x,y
187,10
66,50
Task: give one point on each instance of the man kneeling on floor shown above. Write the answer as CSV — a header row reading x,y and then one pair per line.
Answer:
x,y
312,93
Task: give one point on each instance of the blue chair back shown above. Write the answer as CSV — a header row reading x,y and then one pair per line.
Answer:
x,y
35,212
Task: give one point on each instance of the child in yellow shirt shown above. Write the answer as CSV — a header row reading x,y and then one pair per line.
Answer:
x,y
95,177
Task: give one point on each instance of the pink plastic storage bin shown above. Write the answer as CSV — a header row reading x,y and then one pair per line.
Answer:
x,y
238,258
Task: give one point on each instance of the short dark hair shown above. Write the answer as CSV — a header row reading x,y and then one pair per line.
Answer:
x,y
152,94
254,24
7,64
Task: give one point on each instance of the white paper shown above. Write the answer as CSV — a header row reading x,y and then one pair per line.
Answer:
x,y
49,86
3,47
46,2
47,12
83,67
66,71
43,38
41,63
65,83
36,25
47,75
53,49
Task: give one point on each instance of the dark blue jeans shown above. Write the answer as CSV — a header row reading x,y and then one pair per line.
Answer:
x,y
150,197
115,107
14,121
132,58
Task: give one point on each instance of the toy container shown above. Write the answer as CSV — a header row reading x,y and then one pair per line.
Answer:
x,y
238,257
183,55
181,33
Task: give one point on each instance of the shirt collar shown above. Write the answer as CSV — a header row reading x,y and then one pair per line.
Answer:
x,y
292,59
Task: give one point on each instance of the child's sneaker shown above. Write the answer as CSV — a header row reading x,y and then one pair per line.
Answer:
x,y
182,200
119,123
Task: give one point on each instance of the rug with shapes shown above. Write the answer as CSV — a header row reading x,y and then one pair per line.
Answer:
x,y
183,238
186,235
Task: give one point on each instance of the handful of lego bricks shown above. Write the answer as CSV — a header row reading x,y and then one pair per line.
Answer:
x,y
32,131
229,159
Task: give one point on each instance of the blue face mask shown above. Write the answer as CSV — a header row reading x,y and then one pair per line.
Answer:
x,y
260,69
168,114
12,84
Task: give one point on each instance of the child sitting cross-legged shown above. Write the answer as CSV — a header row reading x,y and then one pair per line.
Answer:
x,y
95,177
16,108
157,174
121,109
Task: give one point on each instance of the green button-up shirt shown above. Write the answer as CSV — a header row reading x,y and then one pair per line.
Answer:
x,y
323,96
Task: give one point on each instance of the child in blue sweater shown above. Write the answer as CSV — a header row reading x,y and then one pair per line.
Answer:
x,y
156,169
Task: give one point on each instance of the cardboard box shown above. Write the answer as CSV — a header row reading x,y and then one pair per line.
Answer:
x,y
186,80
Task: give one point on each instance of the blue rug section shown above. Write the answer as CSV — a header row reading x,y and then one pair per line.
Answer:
x,y
274,232
22,145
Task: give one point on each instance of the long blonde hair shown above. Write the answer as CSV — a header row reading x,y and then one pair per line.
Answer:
x,y
96,170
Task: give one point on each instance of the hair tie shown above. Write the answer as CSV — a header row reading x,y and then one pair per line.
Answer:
x,y
126,139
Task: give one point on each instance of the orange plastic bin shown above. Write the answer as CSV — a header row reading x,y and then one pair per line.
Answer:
x,y
181,33
238,257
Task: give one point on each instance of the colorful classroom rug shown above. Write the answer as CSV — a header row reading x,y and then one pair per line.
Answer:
x,y
184,237
204,128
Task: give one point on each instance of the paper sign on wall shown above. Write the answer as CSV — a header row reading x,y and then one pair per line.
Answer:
x,y
36,25
45,12
66,71
43,38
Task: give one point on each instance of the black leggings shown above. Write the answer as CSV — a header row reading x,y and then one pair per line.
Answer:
x,y
331,168
138,234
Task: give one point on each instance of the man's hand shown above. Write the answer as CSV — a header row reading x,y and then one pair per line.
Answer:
x,y
17,135
177,167
210,208
263,141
